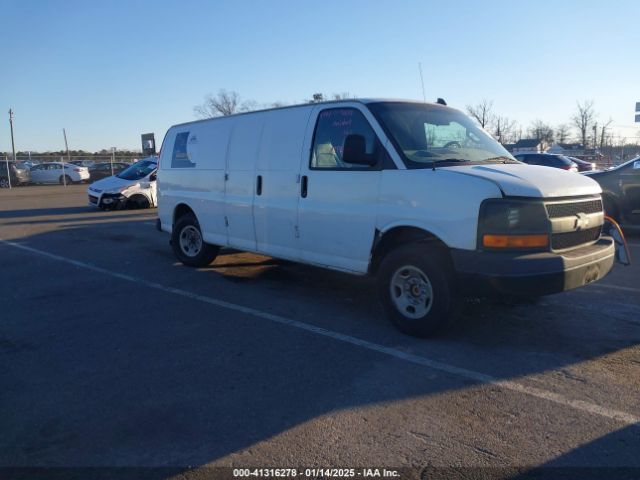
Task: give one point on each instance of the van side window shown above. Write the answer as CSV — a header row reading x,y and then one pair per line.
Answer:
x,y
332,128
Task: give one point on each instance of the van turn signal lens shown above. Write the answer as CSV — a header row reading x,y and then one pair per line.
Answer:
x,y
515,241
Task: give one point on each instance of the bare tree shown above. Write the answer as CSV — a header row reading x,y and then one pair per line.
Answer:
x,y
583,119
503,129
603,132
541,131
342,96
482,112
321,97
222,104
562,133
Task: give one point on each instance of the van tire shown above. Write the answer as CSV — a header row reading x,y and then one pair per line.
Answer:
x,y
188,244
411,273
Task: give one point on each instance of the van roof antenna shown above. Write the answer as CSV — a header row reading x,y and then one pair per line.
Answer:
x,y
441,101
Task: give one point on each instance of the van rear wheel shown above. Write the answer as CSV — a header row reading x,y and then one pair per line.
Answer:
x,y
416,285
188,244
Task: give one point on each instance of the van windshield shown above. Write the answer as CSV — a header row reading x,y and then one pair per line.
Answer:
x,y
138,170
426,135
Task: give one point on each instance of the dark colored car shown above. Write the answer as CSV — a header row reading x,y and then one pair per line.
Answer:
x,y
83,163
547,160
621,191
583,165
103,170
18,174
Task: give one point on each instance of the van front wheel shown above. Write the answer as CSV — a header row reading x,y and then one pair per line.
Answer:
x,y
416,285
188,244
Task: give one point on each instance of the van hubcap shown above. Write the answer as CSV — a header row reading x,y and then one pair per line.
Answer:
x,y
190,241
411,292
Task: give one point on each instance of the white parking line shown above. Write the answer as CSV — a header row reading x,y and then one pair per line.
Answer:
x,y
557,398
615,287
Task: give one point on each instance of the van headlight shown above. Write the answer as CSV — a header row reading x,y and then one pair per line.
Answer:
x,y
512,224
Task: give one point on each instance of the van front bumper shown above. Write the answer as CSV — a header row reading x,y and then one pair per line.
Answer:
x,y
534,274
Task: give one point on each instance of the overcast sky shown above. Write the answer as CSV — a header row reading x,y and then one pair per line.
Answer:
x,y
109,71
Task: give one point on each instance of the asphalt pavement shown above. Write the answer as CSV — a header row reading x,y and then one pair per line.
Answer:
x,y
112,354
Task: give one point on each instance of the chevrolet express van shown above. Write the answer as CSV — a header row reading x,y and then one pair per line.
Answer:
x,y
414,193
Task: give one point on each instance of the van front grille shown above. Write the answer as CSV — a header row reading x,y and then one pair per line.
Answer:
x,y
561,241
557,210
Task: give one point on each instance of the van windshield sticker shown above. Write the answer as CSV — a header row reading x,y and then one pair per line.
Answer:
x,y
180,158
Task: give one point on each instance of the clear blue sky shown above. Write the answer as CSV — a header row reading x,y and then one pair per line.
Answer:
x,y
108,71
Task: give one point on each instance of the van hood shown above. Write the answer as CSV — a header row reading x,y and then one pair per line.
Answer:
x,y
519,180
110,183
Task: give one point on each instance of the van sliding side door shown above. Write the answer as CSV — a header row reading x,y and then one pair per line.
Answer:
x,y
275,205
242,154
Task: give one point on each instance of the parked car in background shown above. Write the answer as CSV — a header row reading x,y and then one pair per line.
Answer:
x,y
52,172
621,191
30,163
18,174
548,160
134,187
103,170
83,163
583,165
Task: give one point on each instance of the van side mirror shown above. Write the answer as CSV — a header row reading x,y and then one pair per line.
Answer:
x,y
153,177
354,151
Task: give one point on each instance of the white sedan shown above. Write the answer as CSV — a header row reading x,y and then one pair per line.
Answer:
x,y
51,172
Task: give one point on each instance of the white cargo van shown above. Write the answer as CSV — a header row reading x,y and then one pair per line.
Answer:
x,y
413,193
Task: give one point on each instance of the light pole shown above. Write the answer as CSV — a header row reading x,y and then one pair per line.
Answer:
x,y
13,147
113,154
66,146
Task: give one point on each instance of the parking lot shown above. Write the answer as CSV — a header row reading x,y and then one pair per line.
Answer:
x,y
112,354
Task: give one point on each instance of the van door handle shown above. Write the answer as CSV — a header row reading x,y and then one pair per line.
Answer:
x,y
303,186
259,185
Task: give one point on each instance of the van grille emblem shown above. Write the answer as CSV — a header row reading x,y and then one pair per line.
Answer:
x,y
581,222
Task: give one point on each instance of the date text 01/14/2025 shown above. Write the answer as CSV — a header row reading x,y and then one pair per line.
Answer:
x,y
315,472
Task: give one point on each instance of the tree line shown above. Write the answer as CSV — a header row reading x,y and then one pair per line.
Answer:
x,y
583,125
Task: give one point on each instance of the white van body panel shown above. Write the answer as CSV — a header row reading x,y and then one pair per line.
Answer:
x,y
440,202
275,211
535,181
202,186
337,219
242,156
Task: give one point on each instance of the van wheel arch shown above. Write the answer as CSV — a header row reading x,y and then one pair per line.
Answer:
x,y
385,242
181,210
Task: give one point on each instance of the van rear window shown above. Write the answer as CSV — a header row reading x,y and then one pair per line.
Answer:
x,y
180,158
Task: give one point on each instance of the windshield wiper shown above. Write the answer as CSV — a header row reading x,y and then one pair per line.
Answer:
x,y
446,160
501,159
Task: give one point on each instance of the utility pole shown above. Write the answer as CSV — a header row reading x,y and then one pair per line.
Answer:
x,y
113,154
66,145
13,147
